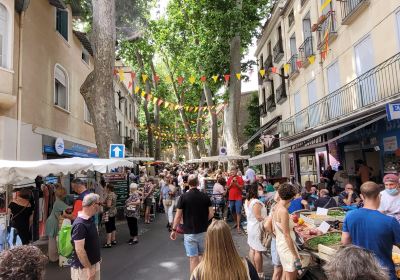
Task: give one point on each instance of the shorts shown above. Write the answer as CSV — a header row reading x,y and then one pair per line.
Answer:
x,y
148,201
194,244
235,206
110,225
274,253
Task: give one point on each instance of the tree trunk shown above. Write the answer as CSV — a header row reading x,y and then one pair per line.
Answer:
x,y
231,116
149,121
98,89
202,147
157,148
213,123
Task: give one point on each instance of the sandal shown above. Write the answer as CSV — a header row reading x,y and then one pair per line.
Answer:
x,y
114,242
107,245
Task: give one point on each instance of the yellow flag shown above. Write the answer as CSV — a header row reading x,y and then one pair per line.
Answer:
x,y
286,67
215,78
176,107
192,80
168,79
155,99
262,72
166,104
238,76
145,77
311,59
137,89
325,4
196,109
121,75
143,93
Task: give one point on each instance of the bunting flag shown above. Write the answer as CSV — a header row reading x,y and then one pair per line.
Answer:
x,y
192,80
215,78
155,99
149,97
176,106
262,72
227,77
137,89
274,70
180,80
311,59
238,76
196,109
156,78
160,101
286,67
133,76
129,85
143,94
168,79
115,71
121,75
166,104
144,77
299,64
203,79
323,55
325,4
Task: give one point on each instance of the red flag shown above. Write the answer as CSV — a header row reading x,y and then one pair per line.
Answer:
x,y
148,97
129,85
156,78
274,70
160,101
227,77
323,55
115,71
299,64
203,78
180,80
133,76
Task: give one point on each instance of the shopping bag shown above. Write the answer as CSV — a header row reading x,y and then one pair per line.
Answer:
x,y
65,247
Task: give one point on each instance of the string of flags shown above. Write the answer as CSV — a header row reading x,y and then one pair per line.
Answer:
x,y
171,136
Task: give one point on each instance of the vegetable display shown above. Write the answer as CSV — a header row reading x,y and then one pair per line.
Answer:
x,y
328,239
336,213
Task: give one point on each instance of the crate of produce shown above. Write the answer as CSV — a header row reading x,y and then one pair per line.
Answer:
x,y
314,219
329,239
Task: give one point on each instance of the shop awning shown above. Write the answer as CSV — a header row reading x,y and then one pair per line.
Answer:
x,y
104,165
267,157
261,130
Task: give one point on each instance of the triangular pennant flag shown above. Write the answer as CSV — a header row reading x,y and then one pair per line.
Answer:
x,y
168,79
227,77
149,97
187,108
144,77
137,89
203,79
299,64
121,75
160,101
143,93
133,76
238,76
196,109
172,106
274,70
155,99
286,67
156,78
323,55
192,80
115,71
129,85
311,59
166,104
262,72
176,106
215,77
180,80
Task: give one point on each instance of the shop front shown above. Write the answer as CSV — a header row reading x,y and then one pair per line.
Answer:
x,y
54,148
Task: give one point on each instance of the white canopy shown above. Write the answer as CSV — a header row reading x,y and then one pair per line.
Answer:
x,y
223,158
196,160
137,159
104,165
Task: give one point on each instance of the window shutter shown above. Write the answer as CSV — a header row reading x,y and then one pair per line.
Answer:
x,y
60,76
64,24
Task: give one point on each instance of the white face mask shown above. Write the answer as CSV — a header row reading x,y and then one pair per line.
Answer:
x,y
260,193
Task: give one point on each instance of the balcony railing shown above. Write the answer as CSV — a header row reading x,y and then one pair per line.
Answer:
x,y
281,94
271,105
278,51
327,30
263,109
306,49
350,9
293,65
374,88
303,2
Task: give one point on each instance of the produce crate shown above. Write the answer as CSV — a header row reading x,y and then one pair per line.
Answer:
x,y
316,221
329,239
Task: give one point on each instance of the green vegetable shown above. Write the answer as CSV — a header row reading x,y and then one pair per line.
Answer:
x,y
336,213
329,239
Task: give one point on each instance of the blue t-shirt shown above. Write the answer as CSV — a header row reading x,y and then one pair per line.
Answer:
x,y
295,205
372,230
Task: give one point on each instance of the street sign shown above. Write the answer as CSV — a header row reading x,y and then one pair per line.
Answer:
x,y
222,151
393,111
117,151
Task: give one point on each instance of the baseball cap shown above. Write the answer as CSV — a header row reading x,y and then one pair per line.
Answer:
x,y
391,178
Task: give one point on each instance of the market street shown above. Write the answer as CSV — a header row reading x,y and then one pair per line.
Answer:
x,y
154,257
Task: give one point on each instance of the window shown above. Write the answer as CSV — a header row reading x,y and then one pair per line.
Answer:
x,y
261,61
126,109
62,23
269,48
87,116
3,36
85,56
130,112
119,128
61,88
398,26
280,41
291,18
126,131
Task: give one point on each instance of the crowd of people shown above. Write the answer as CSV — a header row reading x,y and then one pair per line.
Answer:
x,y
370,229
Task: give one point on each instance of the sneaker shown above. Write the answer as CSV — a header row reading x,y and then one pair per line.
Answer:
x,y
114,242
135,242
107,245
131,242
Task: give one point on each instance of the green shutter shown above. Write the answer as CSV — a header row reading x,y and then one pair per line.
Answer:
x,y
62,23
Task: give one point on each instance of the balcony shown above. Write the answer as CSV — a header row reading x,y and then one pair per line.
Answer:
x,y
281,94
351,9
271,105
327,30
293,71
368,92
263,109
306,50
7,99
278,51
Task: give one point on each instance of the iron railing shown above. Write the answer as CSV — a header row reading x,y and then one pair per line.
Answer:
x,y
271,105
281,94
306,49
350,7
263,109
293,65
303,2
372,89
327,30
278,51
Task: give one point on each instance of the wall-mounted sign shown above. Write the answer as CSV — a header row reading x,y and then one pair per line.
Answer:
x,y
393,111
390,144
59,146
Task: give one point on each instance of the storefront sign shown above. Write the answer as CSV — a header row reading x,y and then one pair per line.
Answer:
x,y
393,111
59,146
390,144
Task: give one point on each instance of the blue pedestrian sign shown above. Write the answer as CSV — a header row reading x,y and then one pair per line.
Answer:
x,y
117,151
393,111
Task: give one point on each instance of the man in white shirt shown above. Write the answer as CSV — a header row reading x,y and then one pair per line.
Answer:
x,y
250,175
390,197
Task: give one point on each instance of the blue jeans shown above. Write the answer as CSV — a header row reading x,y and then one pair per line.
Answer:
x,y
235,206
194,244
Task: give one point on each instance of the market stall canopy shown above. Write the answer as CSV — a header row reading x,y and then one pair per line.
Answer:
x,y
104,165
15,172
137,159
268,157
223,158
196,160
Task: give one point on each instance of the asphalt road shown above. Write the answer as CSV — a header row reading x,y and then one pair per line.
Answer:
x,y
155,257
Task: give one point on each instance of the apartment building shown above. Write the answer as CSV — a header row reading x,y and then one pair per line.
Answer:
x,y
43,63
333,73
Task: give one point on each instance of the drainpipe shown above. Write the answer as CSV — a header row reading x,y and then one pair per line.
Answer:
x,y
19,95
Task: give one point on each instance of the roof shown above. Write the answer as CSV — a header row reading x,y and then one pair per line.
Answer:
x,y
84,41
75,6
